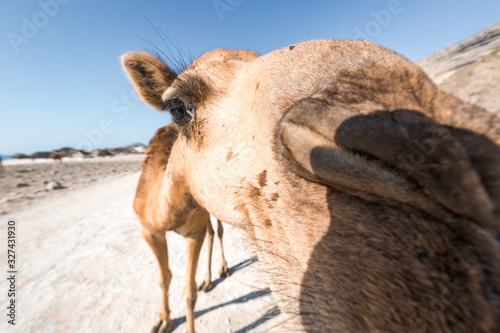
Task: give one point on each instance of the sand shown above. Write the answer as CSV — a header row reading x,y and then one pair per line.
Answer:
x,y
23,180
83,265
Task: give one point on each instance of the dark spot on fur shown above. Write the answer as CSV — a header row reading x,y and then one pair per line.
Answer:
x,y
291,47
257,87
486,272
268,223
254,192
275,197
263,178
423,258
277,183
230,155
253,137
387,256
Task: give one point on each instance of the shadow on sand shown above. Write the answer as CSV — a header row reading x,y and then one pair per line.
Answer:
x,y
234,269
275,311
243,299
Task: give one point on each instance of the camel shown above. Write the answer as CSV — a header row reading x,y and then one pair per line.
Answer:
x,y
149,206
56,157
372,196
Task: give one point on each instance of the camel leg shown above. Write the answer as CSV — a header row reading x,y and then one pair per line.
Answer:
x,y
158,243
194,241
224,269
207,285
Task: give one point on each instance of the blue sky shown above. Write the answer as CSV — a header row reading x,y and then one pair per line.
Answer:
x,y
61,83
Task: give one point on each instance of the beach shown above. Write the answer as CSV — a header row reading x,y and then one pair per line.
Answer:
x,y
83,266
22,181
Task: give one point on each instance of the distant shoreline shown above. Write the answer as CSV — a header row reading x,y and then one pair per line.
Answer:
x,y
6,157
29,161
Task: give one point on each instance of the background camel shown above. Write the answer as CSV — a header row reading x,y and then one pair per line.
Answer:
x,y
151,207
56,157
373,197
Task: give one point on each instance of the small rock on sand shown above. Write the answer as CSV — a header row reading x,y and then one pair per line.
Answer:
x,y
54,186
22,185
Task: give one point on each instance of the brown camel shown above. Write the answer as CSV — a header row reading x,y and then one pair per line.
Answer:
x,y
56,157
150,205
372,196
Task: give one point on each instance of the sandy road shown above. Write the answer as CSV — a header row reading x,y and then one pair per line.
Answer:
x,y
83,267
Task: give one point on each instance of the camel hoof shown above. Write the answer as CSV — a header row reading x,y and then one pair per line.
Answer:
x,y
224,271
206,286
162,326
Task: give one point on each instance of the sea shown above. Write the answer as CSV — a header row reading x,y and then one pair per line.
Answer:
x,y
5,157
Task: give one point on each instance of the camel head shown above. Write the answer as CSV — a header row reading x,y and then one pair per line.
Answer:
x,y
369,192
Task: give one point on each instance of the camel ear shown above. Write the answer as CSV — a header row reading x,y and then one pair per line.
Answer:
x,y
150,76
383,153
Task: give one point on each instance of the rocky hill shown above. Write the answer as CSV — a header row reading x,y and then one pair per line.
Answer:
x,y
470,69
71,152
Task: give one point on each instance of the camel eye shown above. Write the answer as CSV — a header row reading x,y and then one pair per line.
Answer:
x,y
180,113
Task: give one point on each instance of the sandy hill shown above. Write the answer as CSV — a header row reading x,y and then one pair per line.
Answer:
x,y
470,69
